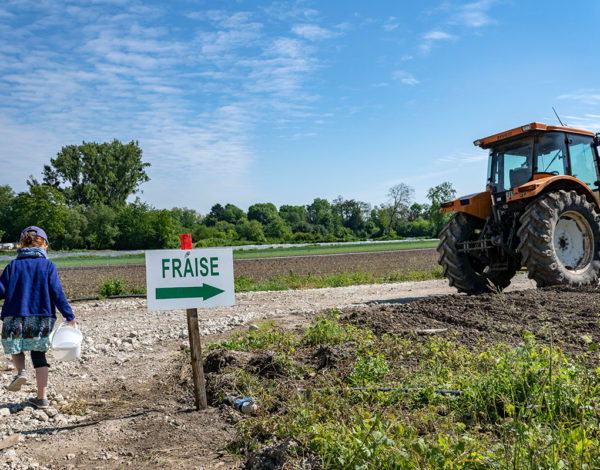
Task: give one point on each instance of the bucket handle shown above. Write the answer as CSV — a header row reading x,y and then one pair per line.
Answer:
x,y
59,327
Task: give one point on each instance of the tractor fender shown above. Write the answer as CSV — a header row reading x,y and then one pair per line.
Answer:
x,y
545,184
478,205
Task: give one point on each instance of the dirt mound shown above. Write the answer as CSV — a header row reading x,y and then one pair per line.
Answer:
x,y
566,316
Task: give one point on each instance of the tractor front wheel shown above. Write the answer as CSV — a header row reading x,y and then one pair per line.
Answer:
x,y
466,272
560,240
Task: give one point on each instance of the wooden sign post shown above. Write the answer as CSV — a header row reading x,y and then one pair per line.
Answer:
x,y
190,279
195,343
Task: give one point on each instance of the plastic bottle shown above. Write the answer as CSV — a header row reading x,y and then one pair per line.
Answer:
x,y
244,405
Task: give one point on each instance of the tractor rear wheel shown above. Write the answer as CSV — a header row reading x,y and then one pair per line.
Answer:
x,y
560,240
466,272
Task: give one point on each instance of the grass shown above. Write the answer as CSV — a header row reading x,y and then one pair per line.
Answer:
x,y
309,281
333,249
103,260
91,260
519,407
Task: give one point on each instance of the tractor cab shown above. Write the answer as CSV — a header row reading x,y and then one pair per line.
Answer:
x,y
536,151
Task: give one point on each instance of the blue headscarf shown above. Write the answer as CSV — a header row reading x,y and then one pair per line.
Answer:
x,y
31,252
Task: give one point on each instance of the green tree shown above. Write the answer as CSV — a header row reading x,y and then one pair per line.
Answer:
x,y
417,210
93,173
45,207
399,201
293,215
380,221
165,233
7,199
233,214
186,220
103,231
217,213
437,195
75,228
263,212
351,212
278,230
319,212
251,230
135,226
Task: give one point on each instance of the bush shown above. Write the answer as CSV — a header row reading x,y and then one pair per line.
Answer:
x,y
112,287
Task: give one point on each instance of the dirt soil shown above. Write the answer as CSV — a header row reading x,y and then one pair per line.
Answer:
x,y
84,281
131,386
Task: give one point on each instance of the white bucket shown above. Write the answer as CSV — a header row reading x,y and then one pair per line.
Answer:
x,y
66,342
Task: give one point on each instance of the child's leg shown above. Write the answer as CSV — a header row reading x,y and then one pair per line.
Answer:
x,y
41,378
41,373
21,378
19,362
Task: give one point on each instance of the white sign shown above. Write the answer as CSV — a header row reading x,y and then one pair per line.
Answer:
x,y
181,279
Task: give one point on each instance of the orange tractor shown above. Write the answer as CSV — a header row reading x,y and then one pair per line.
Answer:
x,y
540,209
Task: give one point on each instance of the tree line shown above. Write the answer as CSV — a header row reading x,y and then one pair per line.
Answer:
x,y
81,202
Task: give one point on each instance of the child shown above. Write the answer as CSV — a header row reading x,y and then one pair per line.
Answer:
x,y
32,291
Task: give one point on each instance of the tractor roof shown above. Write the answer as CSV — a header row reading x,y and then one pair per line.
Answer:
x,y
487,142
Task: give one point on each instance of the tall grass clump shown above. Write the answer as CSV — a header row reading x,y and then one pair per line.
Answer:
x,y
327,329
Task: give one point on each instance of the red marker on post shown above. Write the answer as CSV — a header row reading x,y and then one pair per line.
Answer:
x,y
186,241
195,344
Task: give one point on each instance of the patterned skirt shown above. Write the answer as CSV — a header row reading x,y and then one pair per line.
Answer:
x,y
20,334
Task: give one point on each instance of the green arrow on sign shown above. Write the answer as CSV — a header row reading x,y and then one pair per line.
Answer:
x,y
205,291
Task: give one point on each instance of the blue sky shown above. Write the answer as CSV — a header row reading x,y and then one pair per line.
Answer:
x,y
285,101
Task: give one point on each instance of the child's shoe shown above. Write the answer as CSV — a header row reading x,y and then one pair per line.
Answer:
x,y
41,403
17,382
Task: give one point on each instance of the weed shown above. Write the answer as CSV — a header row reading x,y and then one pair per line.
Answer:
x,y
519,407
110,287
77,407
267,336
137,290
369,367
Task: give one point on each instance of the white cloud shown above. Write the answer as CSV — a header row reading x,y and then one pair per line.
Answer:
x,y
192,98
437,36
391,24
312,32
405,78
589,122
430,38
473,15
463,158
589,97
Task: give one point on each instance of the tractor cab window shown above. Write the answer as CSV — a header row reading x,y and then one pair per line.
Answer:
x,y
583,163
510,164
550,153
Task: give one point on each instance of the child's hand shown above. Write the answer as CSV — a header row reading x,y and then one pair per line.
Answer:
x,y
72,322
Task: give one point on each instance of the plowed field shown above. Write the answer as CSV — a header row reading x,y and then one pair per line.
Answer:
x,y
83,282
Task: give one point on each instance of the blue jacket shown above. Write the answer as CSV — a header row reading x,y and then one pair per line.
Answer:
x,y
30,287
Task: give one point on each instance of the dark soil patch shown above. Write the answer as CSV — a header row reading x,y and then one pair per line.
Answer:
x,y
569,317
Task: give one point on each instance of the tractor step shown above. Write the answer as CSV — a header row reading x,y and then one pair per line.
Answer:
x,y
475,245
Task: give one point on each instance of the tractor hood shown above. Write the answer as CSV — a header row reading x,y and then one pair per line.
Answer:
x,y
478,205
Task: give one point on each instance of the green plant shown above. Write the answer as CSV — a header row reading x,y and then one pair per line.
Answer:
x,y
137,290
369,368
267,336
115,286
